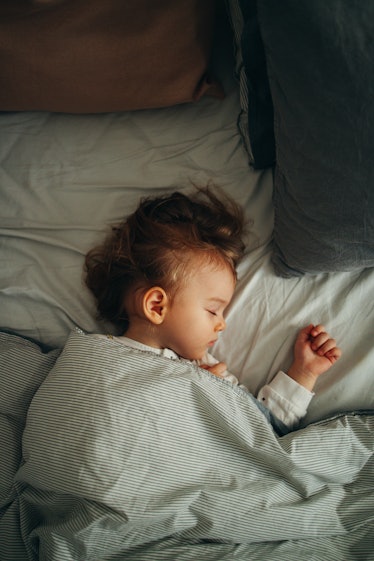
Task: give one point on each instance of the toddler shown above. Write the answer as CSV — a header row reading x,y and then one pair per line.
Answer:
x,y
165,276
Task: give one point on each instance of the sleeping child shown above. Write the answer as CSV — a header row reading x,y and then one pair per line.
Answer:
x,y
142,437
165,276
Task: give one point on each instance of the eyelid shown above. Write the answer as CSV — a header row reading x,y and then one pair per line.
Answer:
x,y
219,310
212,312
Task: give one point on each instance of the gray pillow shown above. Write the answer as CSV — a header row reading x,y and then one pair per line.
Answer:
x,y
320,62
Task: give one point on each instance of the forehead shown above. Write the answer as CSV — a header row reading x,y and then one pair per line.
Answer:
x,y
214,279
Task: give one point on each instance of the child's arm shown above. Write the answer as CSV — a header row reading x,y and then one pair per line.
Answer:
x,y
314,353
288,395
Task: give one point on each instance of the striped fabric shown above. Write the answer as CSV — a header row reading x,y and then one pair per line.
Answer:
x,y
256,117
129,455
23,367
237,24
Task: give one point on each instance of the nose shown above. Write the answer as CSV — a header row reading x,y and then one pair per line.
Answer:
x,y
221,325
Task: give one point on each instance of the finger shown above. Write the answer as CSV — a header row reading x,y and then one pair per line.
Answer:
x,y
329,345
334,354
304,334
319,340
217,369
317,329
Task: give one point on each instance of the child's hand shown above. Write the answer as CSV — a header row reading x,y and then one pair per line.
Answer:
x,y
314,353
217,369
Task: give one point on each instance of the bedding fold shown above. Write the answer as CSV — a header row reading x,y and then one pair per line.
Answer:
x,y
126,451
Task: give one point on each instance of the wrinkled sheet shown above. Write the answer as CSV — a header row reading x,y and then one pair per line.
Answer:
x,y
129,455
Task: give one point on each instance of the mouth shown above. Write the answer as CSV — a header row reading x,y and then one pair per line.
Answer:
x,y
212,343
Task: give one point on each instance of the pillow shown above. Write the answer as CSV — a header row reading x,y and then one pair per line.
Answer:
x,y
84,56
320,61
23,367
256,119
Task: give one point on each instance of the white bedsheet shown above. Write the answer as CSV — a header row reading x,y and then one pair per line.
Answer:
x,y
64,178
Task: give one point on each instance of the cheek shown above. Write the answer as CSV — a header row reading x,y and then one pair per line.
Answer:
x,y
192,330
191,318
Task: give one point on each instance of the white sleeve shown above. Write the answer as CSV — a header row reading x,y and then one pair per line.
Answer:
x,y
286,399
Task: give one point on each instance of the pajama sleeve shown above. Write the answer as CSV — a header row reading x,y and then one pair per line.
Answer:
x,y
286,399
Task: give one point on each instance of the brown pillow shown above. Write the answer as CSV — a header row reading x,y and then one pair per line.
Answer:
x,y
84,56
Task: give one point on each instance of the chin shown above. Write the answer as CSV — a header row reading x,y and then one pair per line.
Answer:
x,y
194,356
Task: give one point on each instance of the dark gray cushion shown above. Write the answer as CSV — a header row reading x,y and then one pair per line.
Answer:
x,y
320,62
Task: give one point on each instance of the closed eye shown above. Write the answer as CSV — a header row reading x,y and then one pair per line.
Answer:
x,y
212,312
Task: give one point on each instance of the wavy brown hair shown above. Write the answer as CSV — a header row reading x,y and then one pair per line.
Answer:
x,y
153,246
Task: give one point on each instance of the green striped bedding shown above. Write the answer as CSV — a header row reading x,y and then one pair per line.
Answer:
x,y
128,455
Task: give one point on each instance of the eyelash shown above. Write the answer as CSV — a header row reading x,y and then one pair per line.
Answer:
x,y
213,313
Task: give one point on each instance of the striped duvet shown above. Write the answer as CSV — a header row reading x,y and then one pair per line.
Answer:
x,y
128,455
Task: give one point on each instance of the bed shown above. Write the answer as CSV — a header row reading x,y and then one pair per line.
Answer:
x,y
239,108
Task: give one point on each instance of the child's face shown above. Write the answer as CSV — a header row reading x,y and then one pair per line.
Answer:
x,y
196,315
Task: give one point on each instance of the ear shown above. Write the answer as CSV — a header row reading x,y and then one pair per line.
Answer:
x,y
155,302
